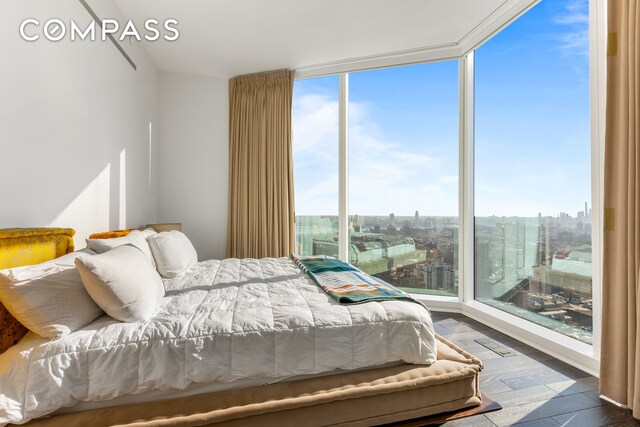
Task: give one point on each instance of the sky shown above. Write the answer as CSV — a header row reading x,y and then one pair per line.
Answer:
x,y
532,135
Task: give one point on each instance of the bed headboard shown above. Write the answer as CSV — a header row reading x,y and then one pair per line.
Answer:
x,y
26,246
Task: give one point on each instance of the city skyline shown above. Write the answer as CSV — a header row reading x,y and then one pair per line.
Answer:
x,y
587,213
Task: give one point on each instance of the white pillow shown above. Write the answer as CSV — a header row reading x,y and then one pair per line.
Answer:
x,y
123,283
49,298
173,252
136,238
148,232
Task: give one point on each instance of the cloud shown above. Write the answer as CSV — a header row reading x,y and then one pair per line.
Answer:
x,y
575,16
389,175
451,179
315,121
385,175
576,12
315,153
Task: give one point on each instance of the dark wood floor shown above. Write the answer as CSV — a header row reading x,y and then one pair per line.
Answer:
x,y
533,388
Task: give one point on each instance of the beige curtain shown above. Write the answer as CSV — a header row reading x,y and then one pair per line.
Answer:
x,y
261,217
620,354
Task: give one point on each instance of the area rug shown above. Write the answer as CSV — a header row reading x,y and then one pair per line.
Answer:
x,y
487,405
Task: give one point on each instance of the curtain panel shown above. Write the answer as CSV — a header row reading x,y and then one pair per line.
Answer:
x,y
620,354
261,210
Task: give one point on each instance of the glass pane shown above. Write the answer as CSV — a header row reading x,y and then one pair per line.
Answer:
x,y
533,169
315,165
403,176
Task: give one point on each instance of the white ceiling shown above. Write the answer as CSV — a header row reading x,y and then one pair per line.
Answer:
x,y
232,37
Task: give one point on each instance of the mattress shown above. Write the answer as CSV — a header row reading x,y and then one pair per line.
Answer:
x,y
359,398
221,321
198,389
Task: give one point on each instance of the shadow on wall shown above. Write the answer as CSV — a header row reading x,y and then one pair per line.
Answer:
x,y
102,204
53,193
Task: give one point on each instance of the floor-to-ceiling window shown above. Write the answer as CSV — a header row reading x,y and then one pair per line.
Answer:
x,y
403,175
533,214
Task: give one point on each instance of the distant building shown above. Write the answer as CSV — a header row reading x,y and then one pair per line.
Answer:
x,y
437,276
483,268
586,210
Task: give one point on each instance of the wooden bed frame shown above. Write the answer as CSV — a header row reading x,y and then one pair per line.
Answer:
x,y
357,398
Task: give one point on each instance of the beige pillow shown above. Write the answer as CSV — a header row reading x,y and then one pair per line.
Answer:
x,y
49,298
123,283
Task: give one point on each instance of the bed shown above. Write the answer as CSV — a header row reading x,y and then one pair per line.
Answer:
x,y
238,343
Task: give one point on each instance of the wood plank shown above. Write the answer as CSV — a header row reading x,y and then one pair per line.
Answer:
x,y
604,415
493,387
525,395
475,421
580,385
541,409
544,422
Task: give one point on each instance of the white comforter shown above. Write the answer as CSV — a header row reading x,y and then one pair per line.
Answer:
x,y
220,321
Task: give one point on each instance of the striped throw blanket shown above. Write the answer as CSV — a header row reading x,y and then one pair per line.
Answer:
x,y
346,283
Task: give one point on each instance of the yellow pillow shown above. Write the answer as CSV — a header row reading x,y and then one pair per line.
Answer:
x,y
110,234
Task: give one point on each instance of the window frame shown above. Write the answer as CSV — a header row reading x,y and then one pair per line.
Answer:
x,y
581,355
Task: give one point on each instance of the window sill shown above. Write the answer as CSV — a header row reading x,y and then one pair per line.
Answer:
x,y
439,303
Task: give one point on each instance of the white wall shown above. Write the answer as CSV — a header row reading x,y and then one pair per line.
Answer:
x,y
75,148
194,159
86,142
